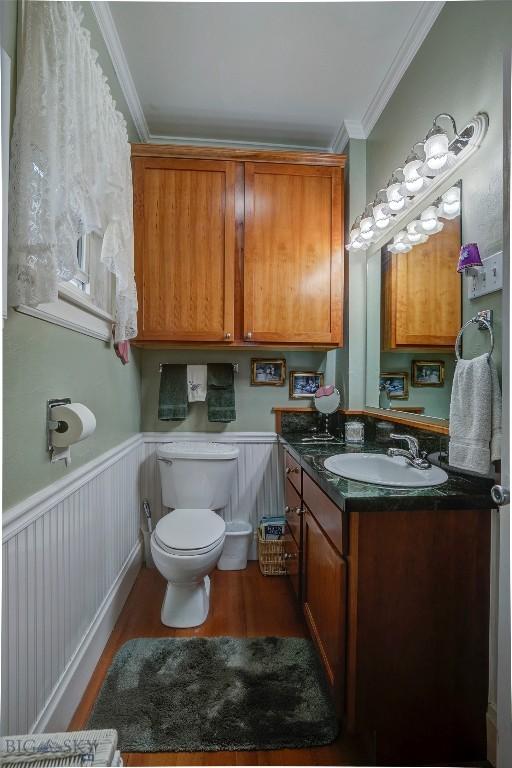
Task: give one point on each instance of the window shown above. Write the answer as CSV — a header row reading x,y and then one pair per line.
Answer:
x,y
81,280
86,301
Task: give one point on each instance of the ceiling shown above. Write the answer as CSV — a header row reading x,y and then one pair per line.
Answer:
x,y
288,74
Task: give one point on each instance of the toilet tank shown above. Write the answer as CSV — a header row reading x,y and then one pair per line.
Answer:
x,y
197,475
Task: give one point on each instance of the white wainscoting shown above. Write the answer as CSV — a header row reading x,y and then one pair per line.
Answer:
x,y
70,555
258,483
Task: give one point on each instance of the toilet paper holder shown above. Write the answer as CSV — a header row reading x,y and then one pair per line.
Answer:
x,y
51,424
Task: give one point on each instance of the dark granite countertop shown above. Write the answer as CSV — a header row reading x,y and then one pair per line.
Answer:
x,y
459,492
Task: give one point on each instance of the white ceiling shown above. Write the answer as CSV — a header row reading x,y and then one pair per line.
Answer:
x,y
294,74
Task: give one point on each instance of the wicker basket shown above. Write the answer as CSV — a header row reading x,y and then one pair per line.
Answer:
x,y
271,557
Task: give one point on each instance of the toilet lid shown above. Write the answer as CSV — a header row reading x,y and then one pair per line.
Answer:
x,y
190,529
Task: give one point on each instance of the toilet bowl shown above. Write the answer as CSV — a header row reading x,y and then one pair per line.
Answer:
x,y
197,479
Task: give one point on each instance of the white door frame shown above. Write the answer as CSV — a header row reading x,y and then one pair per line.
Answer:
x,y
504,697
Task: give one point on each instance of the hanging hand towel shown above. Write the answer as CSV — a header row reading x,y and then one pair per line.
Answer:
x,y
496,414
475,415
221,392
196,380
172,402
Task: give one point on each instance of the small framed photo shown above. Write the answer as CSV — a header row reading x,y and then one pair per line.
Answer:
x,y
427,373
305,383
268,373
396,384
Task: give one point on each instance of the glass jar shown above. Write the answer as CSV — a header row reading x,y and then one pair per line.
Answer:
x,y
354,432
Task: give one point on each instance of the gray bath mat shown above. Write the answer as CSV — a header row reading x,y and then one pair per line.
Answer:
x,y
220,693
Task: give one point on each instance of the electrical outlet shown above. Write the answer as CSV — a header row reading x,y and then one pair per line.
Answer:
x,y
489,277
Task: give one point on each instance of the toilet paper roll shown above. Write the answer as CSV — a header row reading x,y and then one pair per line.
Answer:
x,y
80,421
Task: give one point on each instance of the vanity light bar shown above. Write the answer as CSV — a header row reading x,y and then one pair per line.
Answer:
x,y
425,170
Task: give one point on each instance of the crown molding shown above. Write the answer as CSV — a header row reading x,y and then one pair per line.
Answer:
x,y
110,35
421,26
341,139
349,129
156,138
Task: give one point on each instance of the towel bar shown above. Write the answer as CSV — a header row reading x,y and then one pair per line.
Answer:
x,y
484,320
235,367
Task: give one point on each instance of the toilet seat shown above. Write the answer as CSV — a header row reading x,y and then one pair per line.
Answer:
x,y
190,532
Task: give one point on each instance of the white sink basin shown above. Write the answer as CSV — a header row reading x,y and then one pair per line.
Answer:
x,y
380,469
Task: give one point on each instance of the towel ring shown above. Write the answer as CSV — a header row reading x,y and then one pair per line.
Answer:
x,y
477,319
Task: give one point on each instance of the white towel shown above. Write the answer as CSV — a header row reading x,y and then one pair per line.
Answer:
x,y
475,415
196,382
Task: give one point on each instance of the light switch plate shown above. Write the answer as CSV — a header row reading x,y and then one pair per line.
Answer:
x,y
489,277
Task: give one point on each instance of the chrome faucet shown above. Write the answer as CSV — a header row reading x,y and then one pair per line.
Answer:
x,y
412,454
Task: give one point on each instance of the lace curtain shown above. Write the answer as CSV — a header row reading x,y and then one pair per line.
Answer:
x,y
70,165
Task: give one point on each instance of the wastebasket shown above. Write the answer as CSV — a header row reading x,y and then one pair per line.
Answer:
x,y
236,546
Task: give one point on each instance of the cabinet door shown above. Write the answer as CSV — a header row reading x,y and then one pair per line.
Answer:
x,y
293,253
324,590
185,248
422,293
293,511
292,559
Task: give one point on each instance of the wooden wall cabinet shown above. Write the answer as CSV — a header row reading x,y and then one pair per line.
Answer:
x,y
292,253
238,248
421,293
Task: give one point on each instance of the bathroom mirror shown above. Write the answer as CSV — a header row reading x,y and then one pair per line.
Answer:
x,y
326,405
414,311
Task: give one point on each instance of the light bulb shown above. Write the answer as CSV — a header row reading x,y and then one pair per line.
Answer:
x,y
381,215
396,197
436,150
414,233
449,207
428,219
401,242
414,180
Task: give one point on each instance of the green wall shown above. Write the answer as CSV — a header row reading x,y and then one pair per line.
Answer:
x,y
42,361
458,69
253,403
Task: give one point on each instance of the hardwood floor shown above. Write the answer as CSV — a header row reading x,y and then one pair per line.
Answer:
x,y
244,604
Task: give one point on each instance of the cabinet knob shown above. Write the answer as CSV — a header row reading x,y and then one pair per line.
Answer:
x,y
299,511
227,336
289,470
290,556
248,336
500,495
286,509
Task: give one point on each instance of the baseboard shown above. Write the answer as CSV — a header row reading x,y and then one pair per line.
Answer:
x,y
66,695
492,733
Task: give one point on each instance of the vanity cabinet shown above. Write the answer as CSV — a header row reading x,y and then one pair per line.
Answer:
x,y
324,601
421,293
238,248
397,604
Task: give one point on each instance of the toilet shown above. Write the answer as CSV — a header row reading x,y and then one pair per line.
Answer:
x,y
197,479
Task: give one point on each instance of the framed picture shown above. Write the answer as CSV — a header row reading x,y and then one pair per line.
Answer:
x,y
427,373
396,385
305,383
268,373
